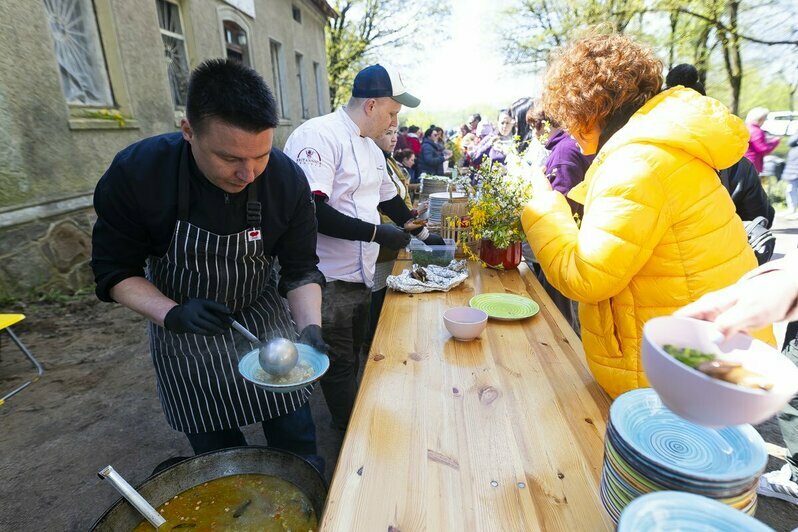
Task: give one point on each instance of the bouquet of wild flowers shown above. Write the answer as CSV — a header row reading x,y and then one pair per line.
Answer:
x,y
497,200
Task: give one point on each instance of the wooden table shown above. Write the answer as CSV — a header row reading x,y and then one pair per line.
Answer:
x,y
501,433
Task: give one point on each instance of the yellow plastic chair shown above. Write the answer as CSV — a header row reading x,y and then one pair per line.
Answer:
x,y
6,321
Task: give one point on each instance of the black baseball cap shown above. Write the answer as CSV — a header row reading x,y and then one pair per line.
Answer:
x,y
378,81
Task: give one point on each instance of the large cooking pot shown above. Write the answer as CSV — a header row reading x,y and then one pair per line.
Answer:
x,y
216,464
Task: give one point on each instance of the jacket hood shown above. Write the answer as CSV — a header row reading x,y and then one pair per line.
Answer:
x,y
555,139
682,119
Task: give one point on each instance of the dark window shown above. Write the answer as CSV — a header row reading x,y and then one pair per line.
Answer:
x,y
297,14
236,42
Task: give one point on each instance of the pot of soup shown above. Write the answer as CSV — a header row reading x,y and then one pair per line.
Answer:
x,y
241,488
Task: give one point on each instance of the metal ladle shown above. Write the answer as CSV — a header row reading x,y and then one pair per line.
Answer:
x,y
278,356
133,497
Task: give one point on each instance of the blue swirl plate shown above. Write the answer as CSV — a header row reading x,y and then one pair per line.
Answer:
x,y
249,368
666,511
648,429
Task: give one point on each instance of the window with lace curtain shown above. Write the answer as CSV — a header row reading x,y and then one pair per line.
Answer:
x,y
174,44
78,52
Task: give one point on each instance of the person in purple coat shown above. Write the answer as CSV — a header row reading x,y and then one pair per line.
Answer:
x,y
566,166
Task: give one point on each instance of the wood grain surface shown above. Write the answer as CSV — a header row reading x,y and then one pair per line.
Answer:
x,y
502,433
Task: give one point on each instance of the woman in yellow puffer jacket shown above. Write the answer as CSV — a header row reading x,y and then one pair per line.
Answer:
x,y
659,230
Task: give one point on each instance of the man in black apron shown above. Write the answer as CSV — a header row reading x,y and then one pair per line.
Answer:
x,y
206,210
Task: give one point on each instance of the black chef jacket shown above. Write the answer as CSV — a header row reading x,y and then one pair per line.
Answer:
x,y
136,205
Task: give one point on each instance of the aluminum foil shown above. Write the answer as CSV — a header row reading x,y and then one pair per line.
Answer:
x,y
433,278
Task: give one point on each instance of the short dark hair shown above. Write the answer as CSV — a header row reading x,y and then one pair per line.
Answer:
x,y
403,129
402,155
230,92
413,129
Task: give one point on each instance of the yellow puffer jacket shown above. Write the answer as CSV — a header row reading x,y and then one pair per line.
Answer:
x,y
659,229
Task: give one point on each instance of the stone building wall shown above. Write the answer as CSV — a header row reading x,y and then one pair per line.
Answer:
x,y
52,154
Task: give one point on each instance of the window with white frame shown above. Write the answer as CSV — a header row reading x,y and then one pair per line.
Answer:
x,y
300,74
319,88
78,52
174,44
278,77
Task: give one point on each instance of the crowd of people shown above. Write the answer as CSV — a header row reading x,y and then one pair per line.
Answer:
x,y
631,218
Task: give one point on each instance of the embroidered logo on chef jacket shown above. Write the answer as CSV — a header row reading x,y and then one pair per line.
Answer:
x,y
253,235
309,156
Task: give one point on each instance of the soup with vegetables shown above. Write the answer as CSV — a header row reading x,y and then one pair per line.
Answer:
x,y
724,370
250,502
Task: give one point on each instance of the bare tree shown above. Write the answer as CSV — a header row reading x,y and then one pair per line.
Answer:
x,y
366,30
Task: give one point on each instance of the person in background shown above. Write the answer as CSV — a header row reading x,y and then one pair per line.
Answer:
x,y
518,111
432,153
741,180
790,176
766,295
407,159
387,256
401,139
473,122
414,140
658,231
497,145
565,168
758,143
191,205
349,182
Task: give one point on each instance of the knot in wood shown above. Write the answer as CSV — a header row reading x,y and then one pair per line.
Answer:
x,y
488,394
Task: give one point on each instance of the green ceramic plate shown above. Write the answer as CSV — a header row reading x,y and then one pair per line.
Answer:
x,y
505,306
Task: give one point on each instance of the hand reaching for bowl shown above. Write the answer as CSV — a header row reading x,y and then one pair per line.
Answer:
x,y
751,303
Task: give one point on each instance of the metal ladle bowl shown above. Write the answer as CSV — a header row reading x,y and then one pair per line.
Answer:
x,y
277,357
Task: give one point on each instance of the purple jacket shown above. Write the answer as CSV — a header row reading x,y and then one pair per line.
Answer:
x,y
566,166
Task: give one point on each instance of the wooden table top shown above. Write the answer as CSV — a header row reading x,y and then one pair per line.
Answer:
x,y
501,433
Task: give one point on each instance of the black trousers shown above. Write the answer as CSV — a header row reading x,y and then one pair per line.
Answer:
x,y
344,321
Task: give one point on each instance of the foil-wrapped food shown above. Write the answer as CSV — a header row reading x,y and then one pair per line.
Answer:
x,y
429,278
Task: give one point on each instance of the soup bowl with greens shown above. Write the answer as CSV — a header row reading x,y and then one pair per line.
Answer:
x,y
740,380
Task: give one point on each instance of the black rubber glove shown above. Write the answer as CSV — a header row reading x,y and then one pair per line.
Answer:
x,y
198,316
434,240
311,335
391,237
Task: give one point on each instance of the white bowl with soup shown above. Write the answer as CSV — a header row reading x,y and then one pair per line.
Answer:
x,y
768,380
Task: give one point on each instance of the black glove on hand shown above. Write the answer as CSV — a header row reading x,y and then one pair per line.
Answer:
x,y
434,240
198,316
391,237
311,335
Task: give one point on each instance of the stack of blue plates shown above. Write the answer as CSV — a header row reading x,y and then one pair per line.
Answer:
x,y
648,448
667,511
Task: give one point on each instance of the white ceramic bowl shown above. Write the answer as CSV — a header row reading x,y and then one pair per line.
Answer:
x,y
702,399
465,323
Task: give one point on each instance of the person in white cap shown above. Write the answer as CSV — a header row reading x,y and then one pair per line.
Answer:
x,y
350,183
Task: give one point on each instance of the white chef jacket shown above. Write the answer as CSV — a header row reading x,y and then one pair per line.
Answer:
x,y
351,171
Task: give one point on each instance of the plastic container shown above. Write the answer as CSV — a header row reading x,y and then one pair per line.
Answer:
x,y
424,255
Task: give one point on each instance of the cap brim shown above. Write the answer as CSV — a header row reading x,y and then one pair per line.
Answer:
x,y
407,99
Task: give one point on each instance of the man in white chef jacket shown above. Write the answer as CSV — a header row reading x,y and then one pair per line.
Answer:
x,y
349,181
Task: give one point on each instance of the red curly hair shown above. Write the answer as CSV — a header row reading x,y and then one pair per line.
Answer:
x,y
597,77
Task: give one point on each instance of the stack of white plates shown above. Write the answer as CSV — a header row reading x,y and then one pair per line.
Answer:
x,y
436,201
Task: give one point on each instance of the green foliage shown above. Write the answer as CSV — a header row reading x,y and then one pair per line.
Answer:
x,y
106,114
58,295
367,31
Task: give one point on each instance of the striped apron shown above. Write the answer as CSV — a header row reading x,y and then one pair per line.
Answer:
x,y
197,376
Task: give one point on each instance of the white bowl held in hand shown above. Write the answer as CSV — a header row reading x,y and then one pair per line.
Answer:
x,y
705,400
465,323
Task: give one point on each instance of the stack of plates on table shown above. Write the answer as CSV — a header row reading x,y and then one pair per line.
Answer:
x,y
648,448
667,511
436,201
431,186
